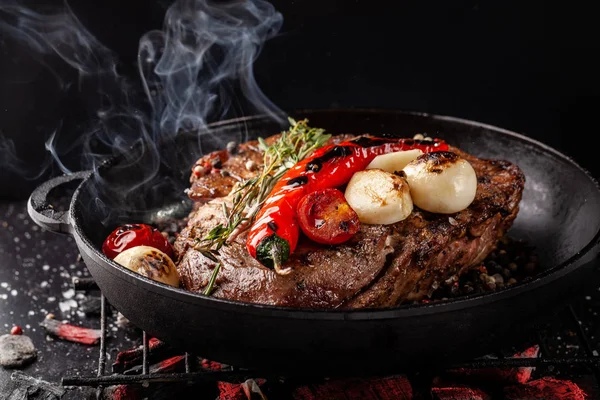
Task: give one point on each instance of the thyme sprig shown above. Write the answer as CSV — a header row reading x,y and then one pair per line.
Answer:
x,y
295,144
213,278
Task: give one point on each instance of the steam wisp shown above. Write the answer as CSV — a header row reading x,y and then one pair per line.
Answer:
x,y
197,69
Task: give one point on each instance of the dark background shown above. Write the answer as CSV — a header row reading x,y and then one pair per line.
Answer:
x,y
526,66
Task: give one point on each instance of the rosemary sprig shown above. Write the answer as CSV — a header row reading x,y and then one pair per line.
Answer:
x,y
295,144
213,278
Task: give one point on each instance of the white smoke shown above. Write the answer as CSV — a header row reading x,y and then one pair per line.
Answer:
x,y
198,68
189,68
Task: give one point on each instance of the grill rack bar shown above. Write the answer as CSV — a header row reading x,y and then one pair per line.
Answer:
x,y
242,375
584,340
102,358
233,374
145,353
145,379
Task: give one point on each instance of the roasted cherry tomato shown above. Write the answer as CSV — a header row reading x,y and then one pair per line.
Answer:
x,y
326,217
131,235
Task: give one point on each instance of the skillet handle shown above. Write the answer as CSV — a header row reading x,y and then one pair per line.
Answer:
x,y
42,213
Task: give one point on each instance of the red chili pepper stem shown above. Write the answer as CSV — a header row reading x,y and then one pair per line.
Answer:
x,y
273,251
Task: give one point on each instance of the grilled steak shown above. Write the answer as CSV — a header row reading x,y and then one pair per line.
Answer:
x,y
380,266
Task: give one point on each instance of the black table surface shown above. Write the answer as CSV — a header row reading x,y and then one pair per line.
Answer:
x,y
36,268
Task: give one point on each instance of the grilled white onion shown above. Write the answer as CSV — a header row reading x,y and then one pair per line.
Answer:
x,y
151,263
441,182
379,197
394,162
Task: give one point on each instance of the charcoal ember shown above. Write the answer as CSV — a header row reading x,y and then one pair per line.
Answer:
x,y
388,388
71,333
209,365
122,392
545,388
248,390
230,391
523,374
32,388
498,375
458,393
16,351
130,358
90,305
172,364
155,391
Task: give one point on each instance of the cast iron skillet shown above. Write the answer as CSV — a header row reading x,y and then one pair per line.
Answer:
x,y
560,215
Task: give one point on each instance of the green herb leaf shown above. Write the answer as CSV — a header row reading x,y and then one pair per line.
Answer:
x,y
213,278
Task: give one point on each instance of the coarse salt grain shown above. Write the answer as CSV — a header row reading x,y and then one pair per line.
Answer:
x,y
67,305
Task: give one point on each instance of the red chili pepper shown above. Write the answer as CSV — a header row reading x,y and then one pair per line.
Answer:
x,y
131,235
274,234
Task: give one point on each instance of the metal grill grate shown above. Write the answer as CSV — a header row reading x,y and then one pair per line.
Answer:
x,y
232,374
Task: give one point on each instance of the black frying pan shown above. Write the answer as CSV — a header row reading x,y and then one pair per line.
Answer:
x,y
560,215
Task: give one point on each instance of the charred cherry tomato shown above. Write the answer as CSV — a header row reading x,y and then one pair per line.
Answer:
x,y
326,217
132,235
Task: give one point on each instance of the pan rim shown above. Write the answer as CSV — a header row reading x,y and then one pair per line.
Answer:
x,y
360,314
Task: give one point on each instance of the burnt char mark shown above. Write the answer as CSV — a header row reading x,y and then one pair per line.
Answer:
x,y
216,163
438,160
156,265
337,151
273,226
505,165
344,226
369,141
298,181
314,166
